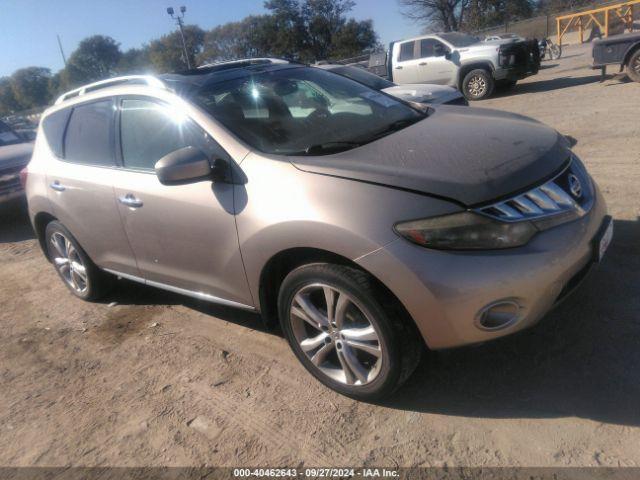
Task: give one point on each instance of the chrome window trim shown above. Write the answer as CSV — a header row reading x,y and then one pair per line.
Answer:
x,y
182,291
545,200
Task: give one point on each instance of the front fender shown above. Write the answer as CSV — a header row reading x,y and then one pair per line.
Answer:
x,y
282,207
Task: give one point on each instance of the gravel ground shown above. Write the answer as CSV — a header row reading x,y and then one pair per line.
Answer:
x,y
151,378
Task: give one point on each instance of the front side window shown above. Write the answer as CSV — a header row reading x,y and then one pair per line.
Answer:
x,y
432,48
150,130
303,111
89,138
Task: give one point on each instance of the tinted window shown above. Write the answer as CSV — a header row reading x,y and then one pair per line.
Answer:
x,y
8,136
303,111
150,130
89,136
53,126
361,75
406,51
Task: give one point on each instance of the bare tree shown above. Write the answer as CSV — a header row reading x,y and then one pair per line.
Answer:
x,y
447,15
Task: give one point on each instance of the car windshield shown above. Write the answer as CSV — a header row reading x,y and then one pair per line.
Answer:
x,y
8,136
459,40
361,75
304,111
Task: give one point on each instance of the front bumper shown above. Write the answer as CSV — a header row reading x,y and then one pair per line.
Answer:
x,y
445,292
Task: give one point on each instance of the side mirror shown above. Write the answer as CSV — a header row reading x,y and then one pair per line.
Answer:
x,y
448,55
188,165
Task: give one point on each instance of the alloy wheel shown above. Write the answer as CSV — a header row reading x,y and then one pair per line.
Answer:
x,y
477,86
68,262
336,334
636,65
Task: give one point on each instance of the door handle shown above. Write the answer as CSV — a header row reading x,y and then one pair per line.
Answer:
x,y
399,67
422,64
130,201
57,186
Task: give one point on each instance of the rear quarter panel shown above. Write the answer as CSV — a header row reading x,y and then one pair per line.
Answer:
x,y
36,187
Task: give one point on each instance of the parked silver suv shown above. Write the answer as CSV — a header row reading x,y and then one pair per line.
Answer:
x,y
364,226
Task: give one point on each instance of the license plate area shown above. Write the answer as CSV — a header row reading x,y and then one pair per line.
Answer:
x,y
603,239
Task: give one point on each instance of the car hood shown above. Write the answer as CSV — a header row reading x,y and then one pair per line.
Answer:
x,y
491,45
15,155
416,92
470,155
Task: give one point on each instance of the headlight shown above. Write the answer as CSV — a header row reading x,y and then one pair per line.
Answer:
x,y
466,231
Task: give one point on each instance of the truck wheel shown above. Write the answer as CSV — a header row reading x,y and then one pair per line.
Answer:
x,y
633,66
478,84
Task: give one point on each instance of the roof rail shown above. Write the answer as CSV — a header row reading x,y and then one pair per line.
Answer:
x,y
112,82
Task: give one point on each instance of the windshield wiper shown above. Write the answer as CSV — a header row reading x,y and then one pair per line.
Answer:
x,y
328,147
393,127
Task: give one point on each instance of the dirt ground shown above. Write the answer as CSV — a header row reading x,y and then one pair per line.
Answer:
x,y
151,378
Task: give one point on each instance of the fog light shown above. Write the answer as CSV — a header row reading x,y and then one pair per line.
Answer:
x,y
498,315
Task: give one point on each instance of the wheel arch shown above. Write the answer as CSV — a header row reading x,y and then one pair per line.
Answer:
x,y
285,261
467,67
629,53
40,222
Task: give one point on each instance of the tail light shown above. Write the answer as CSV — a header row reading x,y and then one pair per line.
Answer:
x,y
23,177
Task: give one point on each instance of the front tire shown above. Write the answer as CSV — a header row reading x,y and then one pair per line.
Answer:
x,y
478,84
345,332
79,274
555,52
633,66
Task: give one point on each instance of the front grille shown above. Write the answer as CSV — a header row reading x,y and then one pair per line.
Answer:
x,y
570,192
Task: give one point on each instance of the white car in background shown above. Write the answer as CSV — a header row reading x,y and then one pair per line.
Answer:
x,y
418,92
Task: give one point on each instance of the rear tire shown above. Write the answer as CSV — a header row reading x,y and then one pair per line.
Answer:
x,y
633,66
79,274
347,333
478,84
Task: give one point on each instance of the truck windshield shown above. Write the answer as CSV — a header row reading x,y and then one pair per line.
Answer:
x,y
361,75
304,111
459,40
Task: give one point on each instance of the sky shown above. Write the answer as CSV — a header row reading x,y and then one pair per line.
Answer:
x,y
28,28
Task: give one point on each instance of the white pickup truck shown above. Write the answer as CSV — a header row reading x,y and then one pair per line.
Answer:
x,y
462,61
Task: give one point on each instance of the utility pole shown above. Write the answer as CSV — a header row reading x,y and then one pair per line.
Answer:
x,y
64,59
179,18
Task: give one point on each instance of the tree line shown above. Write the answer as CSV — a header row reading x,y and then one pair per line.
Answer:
x,y
304,30
474,15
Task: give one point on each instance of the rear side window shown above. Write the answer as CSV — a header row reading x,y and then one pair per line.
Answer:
x,y
150,130
53,126
406,51
89,137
